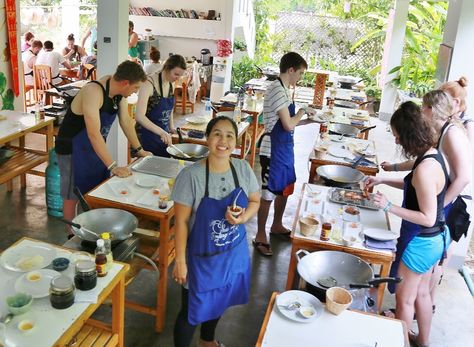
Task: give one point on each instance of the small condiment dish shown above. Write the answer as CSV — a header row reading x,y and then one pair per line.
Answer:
x,y
33,276
19,303
235,211
60,264
26,326
350,213
349,240
307,312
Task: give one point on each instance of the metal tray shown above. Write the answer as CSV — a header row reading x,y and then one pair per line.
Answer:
x,y
158,166
334,195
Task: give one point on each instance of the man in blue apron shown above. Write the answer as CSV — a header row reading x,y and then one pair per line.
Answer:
x,y
276,149
83,157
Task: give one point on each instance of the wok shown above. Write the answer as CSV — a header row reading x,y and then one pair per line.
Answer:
x,y
121,224
347,130
195,151
339,174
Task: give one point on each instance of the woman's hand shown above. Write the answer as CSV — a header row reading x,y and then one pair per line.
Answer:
x,y
235,220
165,137
143,153
372,181
380,200
386,166
180,272
121,171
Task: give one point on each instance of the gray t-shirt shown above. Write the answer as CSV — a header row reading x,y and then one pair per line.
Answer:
x,y
190,185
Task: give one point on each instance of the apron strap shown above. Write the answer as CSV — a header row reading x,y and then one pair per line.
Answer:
x,y
160,84
116,99
442,133
234,175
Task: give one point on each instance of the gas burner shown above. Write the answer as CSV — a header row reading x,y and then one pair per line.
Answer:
x,y
121,250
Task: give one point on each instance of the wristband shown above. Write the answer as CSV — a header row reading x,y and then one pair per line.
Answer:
x,y
388,207
112,166
138,149
395,167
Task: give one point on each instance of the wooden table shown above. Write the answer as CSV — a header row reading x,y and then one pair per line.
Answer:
x,y
351,328
61,327
328,159
15,127
369,218
161,251
69,73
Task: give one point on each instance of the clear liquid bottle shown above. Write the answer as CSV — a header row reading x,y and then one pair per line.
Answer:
x,y
208,108
100,259
108,249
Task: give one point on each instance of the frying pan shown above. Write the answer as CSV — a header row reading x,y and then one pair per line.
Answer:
x,y
347,130
195,151
340,174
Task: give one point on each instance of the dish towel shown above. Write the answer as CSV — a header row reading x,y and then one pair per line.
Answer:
x,y
195,84
371,243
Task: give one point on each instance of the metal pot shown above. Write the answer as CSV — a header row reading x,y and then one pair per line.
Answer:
x,y
347,130
347,82
339,174
269,73
121,224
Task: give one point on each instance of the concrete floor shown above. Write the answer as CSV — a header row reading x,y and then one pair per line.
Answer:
x,y
24,214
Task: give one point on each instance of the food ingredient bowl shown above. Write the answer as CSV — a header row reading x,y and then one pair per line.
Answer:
x,y
19,303
235,211
350,213
349,240
337,300
307,312
60,264
308,225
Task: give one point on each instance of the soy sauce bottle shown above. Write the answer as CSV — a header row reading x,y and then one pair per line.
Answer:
x,y
101,258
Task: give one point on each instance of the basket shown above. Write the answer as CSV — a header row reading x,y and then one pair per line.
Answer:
x,y
320,152
337,300
308,226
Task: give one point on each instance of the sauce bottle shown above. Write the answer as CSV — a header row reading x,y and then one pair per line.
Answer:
x,y
325,231
100,259
108,249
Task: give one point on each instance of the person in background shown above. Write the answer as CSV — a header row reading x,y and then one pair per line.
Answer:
x,y
155,105
28,39
73,52
92,33
28,58
277,149
155,64
132,41
83,157
212,256
90,59
53,59
424,237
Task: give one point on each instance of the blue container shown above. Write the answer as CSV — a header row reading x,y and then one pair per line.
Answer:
x,y
54,200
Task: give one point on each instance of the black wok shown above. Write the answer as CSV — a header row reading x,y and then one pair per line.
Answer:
x,y
339,174
347,130
194,151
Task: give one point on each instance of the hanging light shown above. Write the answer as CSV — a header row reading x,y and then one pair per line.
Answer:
x,y
347,6
53,18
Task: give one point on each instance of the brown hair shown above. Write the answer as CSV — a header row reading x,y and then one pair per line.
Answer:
x,y
441,104
415,134
154,54
292,60
173,61
129,71
37,44
457,89
130,25
70,37
28,36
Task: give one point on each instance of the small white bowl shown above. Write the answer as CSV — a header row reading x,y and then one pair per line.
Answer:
x,y
354,216
307,312
26,326
349,240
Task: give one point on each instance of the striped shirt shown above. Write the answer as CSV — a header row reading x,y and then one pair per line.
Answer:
x,y
276,98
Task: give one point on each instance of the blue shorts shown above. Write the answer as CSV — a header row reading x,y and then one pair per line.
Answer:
x,y
424,252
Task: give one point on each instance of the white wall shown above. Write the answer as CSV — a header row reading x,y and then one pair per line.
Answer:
x,y
185,47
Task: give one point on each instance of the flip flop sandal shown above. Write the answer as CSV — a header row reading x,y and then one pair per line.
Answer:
x,y
285,235
262,248
414,339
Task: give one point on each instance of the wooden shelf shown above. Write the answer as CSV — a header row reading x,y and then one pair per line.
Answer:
x,y
22,161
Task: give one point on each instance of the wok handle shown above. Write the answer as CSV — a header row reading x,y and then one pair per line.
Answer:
x,y
363,130
354,164
84,205
180,135
75,225
360,286
380,280
298,252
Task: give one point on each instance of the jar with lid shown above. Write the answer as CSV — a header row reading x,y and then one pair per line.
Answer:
x,y
86,275
61,292
323,128
325,231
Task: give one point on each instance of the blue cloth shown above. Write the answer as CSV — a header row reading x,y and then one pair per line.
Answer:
x,y
423,252
159,112
218,258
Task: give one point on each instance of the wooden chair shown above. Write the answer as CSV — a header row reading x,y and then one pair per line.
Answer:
x,y
43,81
181,93
90,72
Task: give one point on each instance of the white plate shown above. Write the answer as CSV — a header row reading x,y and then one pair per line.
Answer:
x,y
149,199
340,152
337,138
119,188
197,120
25,258
147,181
305,299
37,289
380,234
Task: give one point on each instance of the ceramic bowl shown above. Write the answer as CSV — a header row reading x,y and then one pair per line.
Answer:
x,y
19,303
236,211
307,312
26,326
350,213
60,264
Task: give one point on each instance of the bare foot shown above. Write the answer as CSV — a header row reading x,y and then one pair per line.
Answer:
x,y
203,343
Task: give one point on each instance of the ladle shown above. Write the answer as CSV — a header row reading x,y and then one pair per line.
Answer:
x,y
180,151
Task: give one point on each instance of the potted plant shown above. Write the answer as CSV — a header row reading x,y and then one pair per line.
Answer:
x,y
374,94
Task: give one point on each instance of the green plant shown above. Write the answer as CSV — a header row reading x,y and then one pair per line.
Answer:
x,y
373,91
243,71
239,45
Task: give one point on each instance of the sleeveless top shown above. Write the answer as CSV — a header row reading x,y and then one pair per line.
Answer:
x,y
155,98
76,56
73,123
411,200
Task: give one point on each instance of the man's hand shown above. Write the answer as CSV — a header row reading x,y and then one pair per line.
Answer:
x,y
143,153
122,171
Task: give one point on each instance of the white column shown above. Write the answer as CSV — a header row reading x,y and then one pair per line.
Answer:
x,y
112,46
392,56
458,33
70,19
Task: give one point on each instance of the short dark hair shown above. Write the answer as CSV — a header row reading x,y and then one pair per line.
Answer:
x,y
212,123
173,61
129,71
415,134
154,54
292,60
130,24
37,44
48,45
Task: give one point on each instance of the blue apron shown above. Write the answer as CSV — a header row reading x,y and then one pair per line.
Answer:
x,y
218,258
158,111
88,168
282,159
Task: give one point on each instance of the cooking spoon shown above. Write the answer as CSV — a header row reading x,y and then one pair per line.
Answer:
x,y
234,204
7,318
291,306
180,151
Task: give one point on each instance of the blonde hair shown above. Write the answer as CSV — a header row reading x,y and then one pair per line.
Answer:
x,y
457,89
441,104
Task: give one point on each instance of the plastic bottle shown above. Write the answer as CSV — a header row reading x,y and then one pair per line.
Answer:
x,y
54,201
237,113
208,108
178,170
108,249
100,259
37,112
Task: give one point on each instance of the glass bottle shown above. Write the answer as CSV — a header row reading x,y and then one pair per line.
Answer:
x,y
325,231
108,249
100,259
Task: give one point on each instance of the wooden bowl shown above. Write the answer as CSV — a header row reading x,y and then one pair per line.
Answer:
x,y
337,300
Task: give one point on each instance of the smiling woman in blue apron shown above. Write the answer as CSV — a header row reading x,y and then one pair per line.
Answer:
x,y
277,149
424,237
155,104
83,157
212,258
